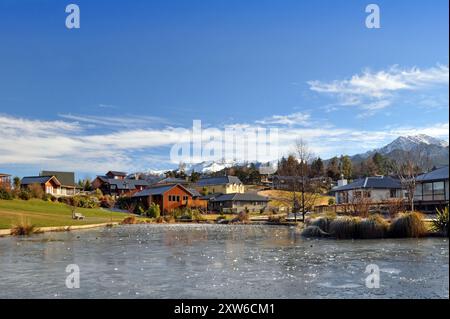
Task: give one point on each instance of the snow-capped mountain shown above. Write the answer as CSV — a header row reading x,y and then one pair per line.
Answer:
x,y
215,166
437,150
408,143
209,166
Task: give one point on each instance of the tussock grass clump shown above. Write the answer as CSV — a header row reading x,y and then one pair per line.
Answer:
x,y
322,222
169,219
373,227
276,219
130,220
344,227
242,217
408,225
23,228
314,231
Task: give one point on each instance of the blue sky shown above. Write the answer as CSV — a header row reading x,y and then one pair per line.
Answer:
x,y
109,95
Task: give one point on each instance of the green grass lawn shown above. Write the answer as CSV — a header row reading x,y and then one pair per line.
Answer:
x,y
43,214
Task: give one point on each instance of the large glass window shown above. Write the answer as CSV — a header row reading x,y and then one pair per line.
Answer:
x,y
439,190
427,191
418,192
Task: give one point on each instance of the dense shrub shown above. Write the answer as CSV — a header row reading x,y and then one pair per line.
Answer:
x,y
408,225
6,194
47,197
440,224
107,201
98,193
153,211
126,203
36,191
25,194
197,215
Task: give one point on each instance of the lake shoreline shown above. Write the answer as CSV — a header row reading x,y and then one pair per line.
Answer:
x,y
67,228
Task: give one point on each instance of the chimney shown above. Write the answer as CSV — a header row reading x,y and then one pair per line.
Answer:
x,y
342,181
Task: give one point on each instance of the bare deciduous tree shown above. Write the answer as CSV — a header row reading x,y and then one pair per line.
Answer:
x,y
408,166
303,156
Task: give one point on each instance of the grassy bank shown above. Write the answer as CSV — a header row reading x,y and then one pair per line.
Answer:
x,y
48,214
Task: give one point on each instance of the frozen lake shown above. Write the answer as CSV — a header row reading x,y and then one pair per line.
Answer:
x,y
219,261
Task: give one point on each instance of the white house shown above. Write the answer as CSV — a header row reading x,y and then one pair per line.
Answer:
x,y
377,189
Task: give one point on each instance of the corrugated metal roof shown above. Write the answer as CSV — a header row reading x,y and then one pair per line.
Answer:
x,y
437,174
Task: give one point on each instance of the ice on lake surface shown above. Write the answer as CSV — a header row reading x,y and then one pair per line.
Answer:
x,y
219,261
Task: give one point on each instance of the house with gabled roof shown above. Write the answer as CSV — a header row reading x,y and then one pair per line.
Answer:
x,y
170,197
238,202
374,189
49,184
116,175
220,184
116,184
67,180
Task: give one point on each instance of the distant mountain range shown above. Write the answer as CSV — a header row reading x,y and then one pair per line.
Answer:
x,y
436,149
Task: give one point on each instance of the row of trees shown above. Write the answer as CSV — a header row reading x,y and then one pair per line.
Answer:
x,y
341,166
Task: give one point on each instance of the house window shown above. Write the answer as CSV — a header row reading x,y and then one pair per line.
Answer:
x,y
427,191
438,191
170,198
357,194
185,198
178,198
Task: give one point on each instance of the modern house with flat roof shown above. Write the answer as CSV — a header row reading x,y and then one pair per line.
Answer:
x,y
220,184
238,202
376,189
432,190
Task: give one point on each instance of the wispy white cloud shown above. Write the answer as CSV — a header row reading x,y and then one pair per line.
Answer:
x,y
67,146
116,121
297,118
372,91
